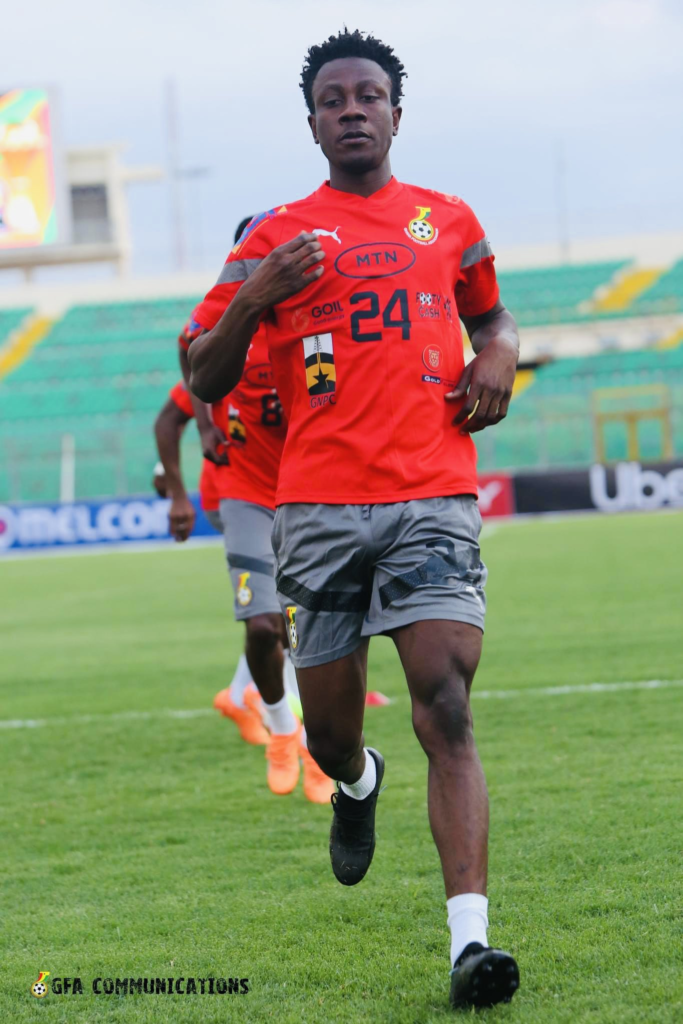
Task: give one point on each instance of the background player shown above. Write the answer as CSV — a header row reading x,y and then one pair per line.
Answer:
x,y
245,703
377,524
240,701
252,418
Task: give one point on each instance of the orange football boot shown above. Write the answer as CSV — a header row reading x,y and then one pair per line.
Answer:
x,y
282,754
318,787
246,719
252,699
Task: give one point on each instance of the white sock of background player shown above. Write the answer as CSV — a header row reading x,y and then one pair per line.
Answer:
x,y
240,681
289,676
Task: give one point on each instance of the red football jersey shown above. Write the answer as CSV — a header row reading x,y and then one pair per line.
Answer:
x,y
252,419
209,495
364,356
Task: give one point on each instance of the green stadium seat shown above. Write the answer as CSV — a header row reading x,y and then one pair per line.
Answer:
x,y
104,371
10,319
554,294
664,296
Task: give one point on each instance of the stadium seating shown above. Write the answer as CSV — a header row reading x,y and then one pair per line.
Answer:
x,y
103,372
551,422
10,320
101,375
664,296
554,294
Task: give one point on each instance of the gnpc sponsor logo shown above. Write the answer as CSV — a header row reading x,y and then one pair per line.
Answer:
x,y
48,526
636,488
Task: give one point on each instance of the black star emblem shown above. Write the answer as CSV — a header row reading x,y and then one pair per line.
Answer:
x,y
321,377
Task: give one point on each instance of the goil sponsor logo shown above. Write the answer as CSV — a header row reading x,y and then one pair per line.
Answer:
x,y
328,309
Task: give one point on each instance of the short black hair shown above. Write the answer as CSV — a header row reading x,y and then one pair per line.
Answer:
x,y
239,230
352,44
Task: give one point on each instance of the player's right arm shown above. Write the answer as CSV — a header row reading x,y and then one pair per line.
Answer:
x,y
168,429
238,303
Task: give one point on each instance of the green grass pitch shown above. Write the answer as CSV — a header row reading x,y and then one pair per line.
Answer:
x,y
150,846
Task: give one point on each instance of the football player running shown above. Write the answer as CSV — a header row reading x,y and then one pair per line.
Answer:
x,y
360,289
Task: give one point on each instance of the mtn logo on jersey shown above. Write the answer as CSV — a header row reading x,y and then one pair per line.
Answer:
x,y
321,375
256,222
244,592
374,259
291,619
419,228
237,431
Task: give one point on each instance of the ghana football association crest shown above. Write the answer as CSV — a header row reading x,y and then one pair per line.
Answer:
x,y
39,988
291,622
421,229
244,591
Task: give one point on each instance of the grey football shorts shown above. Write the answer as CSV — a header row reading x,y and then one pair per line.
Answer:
x,y
246,534
350,571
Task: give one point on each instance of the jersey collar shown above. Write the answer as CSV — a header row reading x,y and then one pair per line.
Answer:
x,y
379,198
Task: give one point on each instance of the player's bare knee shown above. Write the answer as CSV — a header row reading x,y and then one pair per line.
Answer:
x,y
443,722
264,633
332,752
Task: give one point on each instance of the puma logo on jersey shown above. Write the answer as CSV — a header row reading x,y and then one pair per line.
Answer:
x,y
328,234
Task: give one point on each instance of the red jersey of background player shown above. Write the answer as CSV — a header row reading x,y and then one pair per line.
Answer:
x,y
251,418
364,356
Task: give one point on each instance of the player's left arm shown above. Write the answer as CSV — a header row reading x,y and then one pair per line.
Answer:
x,y
485,387
487,381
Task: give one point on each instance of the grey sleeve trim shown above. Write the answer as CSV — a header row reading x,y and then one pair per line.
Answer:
x,y
237,270
475,253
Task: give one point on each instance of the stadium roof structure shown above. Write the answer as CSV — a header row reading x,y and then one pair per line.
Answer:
x,y
96,181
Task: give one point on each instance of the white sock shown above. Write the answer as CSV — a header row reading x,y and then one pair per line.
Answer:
x,y
240,681
289,676
467,920
366,783
280,718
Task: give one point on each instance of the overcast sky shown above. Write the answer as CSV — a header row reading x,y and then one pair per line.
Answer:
x,y
497,93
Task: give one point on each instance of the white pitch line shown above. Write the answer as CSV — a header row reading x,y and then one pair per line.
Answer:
x,y
548,691
38,723
561,691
